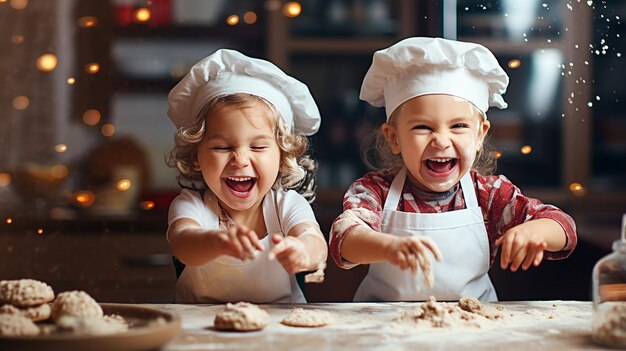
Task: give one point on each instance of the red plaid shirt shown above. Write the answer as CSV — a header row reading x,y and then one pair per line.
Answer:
x,y
502,203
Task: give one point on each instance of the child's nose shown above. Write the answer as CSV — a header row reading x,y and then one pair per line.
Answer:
x,y
441,140
240,159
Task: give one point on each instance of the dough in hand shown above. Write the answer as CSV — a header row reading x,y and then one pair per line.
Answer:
x,y
242,316
307,318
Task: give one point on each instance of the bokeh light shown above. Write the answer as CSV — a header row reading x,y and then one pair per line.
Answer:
x,y
21,102
232,20
146,205
497,154
9,220
19,4
17,39
5,179
123,184
577,189
92,117
47,62
59,171
71,80
514,63
60,148
87,21
84,198
40,231
107,130
142,15
526,149
249,17
92,68
292,9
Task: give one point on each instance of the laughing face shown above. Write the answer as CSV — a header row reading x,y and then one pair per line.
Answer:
x,y
438,137
238,156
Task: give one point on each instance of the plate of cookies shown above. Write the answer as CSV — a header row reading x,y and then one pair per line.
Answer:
x,y
33,318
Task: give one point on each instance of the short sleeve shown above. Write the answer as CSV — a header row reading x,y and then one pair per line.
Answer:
x,y
294,209
188,204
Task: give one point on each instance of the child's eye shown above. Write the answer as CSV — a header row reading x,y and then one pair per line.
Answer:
x,y
258,148
461,125
421,127
220,148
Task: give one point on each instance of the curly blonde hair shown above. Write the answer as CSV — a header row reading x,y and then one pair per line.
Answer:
x,y
296,172
377,154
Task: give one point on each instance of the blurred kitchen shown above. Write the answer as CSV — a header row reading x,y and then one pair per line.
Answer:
x,y
84,188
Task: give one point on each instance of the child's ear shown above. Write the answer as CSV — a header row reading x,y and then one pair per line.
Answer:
x,y
389,132
485,125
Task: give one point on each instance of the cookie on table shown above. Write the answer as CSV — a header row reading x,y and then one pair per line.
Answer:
x,y
242,316
300,317
75,303
34,313
25,292
16,325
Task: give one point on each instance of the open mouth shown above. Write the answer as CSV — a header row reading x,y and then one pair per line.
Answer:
x,y
240,184
440,165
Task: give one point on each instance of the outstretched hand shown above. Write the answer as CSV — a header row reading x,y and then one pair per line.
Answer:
x,y
410,252
521,246
291,253
240,242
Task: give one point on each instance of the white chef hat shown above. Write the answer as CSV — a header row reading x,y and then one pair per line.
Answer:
x,y
229,72
423,66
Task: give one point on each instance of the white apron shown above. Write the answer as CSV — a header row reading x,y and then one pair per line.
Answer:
x,y
228,279
460,235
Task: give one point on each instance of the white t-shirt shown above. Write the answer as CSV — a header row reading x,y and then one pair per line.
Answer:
x,y
291,207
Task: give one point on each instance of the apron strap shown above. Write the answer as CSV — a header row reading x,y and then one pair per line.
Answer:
x,y
395,191
469,194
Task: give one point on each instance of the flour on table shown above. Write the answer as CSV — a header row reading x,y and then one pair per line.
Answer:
x,y
242,316
300,317
468,312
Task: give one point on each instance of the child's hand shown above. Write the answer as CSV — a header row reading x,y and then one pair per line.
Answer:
x,y
291,253
240,242
408,252
521,247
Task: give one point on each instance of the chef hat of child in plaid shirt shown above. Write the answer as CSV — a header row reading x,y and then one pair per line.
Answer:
x,y
229,72
423,66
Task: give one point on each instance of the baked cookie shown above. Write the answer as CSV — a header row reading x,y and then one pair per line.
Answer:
x,y
75,303
91,325
25,292
16,325
34,313
241,316
307,318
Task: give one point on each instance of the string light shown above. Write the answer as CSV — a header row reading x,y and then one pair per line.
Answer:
x,y
526,149
9,220
40,231
60,148
71,80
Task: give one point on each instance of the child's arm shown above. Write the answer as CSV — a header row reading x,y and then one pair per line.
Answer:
x,y
524,244
363,245
194,245
303,249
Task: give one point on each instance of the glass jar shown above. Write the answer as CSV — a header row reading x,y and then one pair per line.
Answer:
x,y
609,298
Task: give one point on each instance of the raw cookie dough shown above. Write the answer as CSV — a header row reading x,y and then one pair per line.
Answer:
x,y
34,313
241,316
25,292
16,325
307,318
75,303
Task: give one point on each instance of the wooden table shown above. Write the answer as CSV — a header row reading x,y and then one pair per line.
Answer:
x,y
540,325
